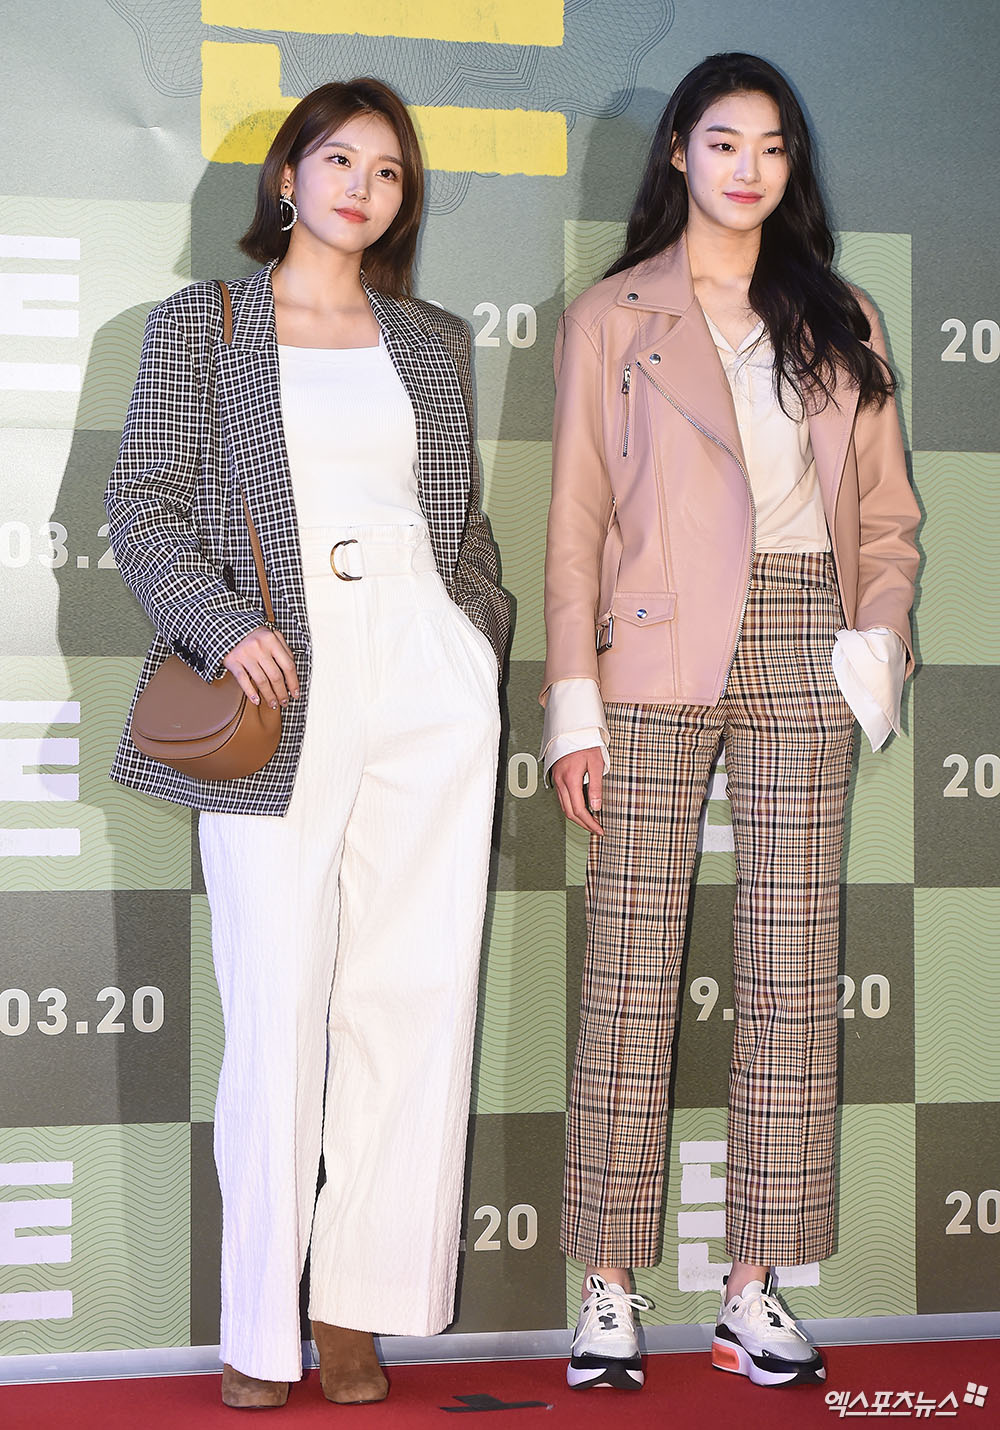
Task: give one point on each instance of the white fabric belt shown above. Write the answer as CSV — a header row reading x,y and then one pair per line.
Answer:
x,y
356,552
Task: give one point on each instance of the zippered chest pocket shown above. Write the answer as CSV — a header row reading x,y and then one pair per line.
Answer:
x,y
626,402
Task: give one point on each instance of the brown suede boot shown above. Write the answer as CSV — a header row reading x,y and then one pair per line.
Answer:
x,y
349,1371
246,1392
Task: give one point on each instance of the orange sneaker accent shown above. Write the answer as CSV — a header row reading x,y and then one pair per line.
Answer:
x,y
724,1357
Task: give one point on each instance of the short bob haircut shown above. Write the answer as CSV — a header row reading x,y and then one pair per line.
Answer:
x,y
388,263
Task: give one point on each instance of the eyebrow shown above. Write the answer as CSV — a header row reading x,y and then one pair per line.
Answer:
x,y
342,144
727,129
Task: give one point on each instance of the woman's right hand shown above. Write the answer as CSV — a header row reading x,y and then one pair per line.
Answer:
x,y
264,667
580,801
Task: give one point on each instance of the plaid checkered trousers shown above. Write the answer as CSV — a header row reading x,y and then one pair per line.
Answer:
x,y
788,734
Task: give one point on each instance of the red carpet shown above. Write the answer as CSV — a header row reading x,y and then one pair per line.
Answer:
x,y
682,1393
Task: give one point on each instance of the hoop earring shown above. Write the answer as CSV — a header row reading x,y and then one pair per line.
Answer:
x,y
285,203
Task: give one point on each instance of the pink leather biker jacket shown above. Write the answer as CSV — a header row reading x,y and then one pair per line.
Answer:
x,y
651,526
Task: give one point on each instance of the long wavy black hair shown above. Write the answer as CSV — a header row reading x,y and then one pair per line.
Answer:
x,y
816,324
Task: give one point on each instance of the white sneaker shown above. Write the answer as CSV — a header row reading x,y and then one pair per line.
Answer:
x,y
605,1348
756,1336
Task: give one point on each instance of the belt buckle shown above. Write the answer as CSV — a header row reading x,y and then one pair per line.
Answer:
x,y
605,635
342,575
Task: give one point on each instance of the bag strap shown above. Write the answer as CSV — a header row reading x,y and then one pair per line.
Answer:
x,y
258,555
227,313
258,561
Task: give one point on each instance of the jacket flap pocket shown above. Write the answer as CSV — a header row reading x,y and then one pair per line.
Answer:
x,y
644,608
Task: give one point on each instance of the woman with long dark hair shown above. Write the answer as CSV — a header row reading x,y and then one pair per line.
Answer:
x,y
347,877
730,558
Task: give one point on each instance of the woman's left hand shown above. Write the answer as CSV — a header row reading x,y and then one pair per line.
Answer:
x,y
263,663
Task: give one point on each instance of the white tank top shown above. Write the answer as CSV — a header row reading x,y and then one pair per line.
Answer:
x,y
351,437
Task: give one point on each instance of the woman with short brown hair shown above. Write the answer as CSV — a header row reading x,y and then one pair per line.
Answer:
x,y
347,878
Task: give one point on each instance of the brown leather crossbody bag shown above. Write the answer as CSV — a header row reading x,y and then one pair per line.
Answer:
x,y
208,729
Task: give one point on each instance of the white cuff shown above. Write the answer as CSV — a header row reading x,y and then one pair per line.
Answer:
x,y
869,667
574,720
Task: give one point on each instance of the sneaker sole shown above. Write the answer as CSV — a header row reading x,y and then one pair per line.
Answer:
x,y
611,1377
738,1361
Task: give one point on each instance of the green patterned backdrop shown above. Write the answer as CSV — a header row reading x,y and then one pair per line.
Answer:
x,y
131,129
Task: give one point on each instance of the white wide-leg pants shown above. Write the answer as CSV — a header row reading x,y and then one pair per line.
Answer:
x,y
346,940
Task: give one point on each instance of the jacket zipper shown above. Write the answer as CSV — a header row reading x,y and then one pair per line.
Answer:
x,y
608,624
753,509
626,389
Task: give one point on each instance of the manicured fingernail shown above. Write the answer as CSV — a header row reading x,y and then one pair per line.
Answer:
x,y
255,699
274,704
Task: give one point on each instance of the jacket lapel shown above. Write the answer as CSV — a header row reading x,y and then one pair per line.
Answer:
x,y
678,351
691,374
444,441
250,405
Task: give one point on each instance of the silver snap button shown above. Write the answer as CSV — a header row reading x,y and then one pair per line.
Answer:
x,y
654,357
633,297
641,613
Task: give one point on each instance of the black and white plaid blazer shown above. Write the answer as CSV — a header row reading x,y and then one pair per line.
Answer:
x,y
203,426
